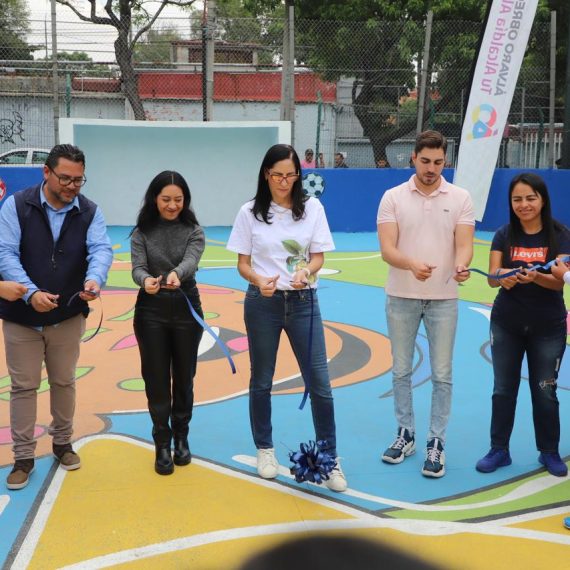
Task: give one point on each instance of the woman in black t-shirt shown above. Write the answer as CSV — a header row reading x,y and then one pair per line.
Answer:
x,y
528,317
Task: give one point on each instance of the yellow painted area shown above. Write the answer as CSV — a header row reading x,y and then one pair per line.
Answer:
x,y
453,552
548,524
116,502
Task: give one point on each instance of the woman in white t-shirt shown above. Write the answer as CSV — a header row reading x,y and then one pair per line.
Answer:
x,y
280,237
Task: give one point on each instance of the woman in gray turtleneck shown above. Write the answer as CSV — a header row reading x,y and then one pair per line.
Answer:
x,y
166,246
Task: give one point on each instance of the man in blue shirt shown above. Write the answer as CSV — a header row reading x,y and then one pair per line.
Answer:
x,y
54,242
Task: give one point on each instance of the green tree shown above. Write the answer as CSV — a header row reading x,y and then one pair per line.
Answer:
x,y
124,16
380,44
155,47
14,25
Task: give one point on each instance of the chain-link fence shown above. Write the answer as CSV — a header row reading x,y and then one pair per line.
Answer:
x,y
356,83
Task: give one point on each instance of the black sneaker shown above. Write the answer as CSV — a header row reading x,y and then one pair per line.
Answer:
x,y
434,465
403,445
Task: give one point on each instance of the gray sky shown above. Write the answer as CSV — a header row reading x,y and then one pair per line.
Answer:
x,y
74,35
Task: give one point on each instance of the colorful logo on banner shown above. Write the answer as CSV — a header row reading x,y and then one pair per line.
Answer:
x,y
2,189
484,118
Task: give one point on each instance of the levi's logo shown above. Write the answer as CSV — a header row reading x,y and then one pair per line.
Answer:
x,y
529,254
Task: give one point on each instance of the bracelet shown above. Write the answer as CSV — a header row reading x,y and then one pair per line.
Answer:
x,y
307,270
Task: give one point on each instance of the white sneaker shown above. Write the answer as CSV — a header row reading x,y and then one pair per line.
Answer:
x,y
267,466
337,480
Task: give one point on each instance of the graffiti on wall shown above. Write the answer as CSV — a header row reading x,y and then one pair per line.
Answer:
x,y
11,128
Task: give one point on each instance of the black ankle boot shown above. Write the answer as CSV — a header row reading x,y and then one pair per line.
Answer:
x,y
182,455
163,464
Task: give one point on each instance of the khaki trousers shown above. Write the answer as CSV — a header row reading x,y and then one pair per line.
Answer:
x,y
26,350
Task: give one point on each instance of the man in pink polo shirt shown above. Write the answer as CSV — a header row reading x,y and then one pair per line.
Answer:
x,y
426,228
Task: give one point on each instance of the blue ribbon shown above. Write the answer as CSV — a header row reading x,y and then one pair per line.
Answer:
x,y
310,353
207,328
545,266
97,295
312,464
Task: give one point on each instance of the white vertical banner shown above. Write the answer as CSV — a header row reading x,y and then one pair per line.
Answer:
x,y
494,81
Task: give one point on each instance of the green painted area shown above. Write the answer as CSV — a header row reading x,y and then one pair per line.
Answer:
x,y
124,317
132,385
121,279
89,332
537,500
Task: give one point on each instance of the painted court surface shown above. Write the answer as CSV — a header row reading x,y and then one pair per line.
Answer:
x,y
116,512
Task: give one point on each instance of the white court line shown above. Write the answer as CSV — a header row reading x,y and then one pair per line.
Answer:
x,y
525,490
361,520
4,500
425,528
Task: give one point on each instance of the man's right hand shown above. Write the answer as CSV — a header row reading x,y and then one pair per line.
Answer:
x,y
421,270
11,290
44,302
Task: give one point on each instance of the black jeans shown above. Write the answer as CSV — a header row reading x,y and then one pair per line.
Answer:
x,y
168,337
544,349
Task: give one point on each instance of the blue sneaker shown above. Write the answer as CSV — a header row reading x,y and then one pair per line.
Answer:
x,y
495,458
403,445
434,465
567,522
553,463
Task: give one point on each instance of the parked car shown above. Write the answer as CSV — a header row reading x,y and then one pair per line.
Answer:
x,y
24,156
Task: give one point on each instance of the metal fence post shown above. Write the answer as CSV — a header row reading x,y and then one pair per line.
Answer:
x,y
55,74
288,70
551,157
425,65
565,159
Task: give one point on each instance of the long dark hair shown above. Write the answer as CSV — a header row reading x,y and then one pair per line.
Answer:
x,y
262,199
149,216
549,225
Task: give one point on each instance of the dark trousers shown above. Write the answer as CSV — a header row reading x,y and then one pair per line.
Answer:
x,y
168,337
544,349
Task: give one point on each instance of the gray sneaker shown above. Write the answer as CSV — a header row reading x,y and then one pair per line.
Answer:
x,y
403,445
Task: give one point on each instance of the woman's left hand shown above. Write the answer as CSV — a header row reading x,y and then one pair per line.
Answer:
x,y
172,281
300,279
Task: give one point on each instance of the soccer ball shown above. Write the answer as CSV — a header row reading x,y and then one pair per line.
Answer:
x,y
313,185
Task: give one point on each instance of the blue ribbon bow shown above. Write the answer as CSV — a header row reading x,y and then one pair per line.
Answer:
x,y
312,464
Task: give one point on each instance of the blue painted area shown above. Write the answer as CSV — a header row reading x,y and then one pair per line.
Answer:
x,y
20,504
365,421
352,196
19,177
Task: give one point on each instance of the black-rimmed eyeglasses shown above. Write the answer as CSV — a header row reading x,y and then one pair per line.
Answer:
x,y
65,180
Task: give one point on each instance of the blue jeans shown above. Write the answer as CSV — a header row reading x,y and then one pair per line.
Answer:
x,y
440,321
265,318
544,350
